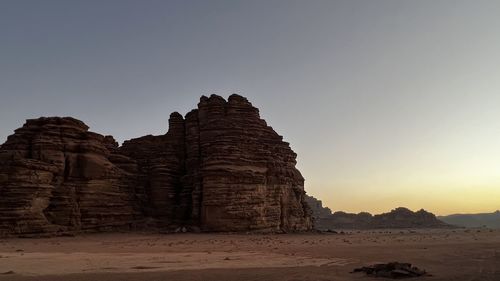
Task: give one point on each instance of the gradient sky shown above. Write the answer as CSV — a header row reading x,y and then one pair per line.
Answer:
x,y
387,103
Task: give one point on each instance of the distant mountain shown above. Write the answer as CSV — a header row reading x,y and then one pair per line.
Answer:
x,y
317,207
490,220
397,218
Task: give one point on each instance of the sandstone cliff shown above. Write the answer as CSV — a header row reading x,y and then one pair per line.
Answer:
x,y
221,168
56,176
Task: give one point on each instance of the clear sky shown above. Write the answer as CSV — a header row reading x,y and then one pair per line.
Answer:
x,y
387,103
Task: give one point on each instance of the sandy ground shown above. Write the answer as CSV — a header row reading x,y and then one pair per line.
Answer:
x,y
447,254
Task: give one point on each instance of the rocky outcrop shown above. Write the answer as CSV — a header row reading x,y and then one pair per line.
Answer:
x,y
317,208
489,220
397,218
245,170
320,213
221,168
160,162
56,176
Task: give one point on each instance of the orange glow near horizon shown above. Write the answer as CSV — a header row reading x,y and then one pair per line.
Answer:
x,y
451,174
438,200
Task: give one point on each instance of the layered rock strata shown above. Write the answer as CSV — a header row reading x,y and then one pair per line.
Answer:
x,y
221,168
56,176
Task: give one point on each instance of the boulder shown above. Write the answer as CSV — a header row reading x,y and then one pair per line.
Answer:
x,y
394,270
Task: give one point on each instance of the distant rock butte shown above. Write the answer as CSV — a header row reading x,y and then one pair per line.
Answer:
x,y
397,218
317,208
219,168
489,220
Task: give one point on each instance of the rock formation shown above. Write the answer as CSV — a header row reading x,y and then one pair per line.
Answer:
x,y
397,218
489,220
405,218
317,208
221,168
56,176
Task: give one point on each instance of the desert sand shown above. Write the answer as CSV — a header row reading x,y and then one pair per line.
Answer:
x,y
456,254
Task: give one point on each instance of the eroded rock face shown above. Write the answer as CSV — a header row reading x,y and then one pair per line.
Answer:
x,y
160,162
55,176
221,168
241,171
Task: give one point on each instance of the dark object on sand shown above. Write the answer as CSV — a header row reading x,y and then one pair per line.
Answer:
x,y
395,270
